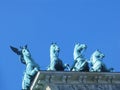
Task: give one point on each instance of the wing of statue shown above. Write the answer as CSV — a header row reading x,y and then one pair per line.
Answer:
x,y
15,50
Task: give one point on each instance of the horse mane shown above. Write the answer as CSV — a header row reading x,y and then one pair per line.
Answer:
x,y
22,59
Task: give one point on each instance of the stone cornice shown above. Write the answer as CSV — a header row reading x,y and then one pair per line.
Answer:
x,y
54,77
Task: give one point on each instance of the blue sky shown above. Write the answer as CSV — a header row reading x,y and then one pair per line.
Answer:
x,y
40,22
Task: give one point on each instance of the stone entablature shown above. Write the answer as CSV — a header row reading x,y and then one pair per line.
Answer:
x,y
54,80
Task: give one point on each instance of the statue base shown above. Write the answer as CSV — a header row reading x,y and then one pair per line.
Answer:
x,y
54,80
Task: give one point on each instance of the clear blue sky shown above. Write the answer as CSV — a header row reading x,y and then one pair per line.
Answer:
x,y
40,22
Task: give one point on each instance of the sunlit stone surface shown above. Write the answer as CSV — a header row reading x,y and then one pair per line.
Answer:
x,y
53,80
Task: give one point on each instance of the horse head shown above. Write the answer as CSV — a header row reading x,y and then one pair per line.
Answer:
x,y
78,50
54,49
97,55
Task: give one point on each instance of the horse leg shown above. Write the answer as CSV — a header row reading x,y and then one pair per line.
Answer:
x,y
73,66
96,68
52,65
26,82
66,66
31,69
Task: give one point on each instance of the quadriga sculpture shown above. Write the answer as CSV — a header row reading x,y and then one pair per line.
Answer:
x,y
56,63
80,63
31,67
97,64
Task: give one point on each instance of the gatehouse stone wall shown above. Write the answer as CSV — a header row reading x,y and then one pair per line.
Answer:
x,y
54,80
